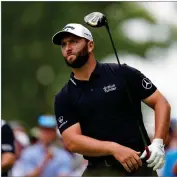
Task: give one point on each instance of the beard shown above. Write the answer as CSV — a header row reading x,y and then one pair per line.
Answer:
x,y
80,60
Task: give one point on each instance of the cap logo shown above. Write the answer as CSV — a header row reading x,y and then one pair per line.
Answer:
x,y
66,28
87,34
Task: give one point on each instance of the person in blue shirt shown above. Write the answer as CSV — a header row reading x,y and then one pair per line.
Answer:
x,y
175,169
44,159
170,166
171,160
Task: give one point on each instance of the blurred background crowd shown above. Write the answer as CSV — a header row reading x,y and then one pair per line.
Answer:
x,y
33,71
41,151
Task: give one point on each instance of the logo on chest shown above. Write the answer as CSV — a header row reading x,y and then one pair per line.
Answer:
x,y
109,88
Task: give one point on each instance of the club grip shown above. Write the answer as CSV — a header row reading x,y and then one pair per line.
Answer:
x,y
147,151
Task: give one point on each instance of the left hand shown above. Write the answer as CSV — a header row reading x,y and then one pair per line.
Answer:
x,y
157,157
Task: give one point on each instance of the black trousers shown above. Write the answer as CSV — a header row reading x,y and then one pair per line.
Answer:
x,y
113,171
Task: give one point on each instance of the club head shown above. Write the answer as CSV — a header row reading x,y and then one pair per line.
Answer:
x,y
95,19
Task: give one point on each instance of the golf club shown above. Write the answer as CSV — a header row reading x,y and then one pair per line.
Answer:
x,y
97,19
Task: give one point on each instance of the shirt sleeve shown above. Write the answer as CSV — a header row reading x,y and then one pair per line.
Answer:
x,y
65,113
142,85
7,139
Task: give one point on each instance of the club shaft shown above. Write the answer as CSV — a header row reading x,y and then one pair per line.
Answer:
x,y
130,98
107,27
143,138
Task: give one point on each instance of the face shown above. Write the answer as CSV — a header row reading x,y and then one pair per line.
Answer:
x,y
48,135
76,50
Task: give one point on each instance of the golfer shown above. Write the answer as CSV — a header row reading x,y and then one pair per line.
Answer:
x,y
95,116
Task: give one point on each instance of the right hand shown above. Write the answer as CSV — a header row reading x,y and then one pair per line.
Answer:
x,y
129,158
48,156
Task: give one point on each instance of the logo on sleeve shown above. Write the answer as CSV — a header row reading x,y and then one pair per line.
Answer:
x,y
146,83
61,121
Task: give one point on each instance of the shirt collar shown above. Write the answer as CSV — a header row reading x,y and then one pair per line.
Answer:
x,y
97,70
96,73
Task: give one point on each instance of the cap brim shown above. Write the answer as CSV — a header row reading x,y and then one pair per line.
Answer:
x,y
47,122
56,39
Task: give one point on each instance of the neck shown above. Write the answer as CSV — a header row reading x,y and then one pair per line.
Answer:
x,y
85,71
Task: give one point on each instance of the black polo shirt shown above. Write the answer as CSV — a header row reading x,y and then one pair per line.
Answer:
x,y
7,141
102,106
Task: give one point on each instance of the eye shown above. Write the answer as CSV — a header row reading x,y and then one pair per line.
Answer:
x,y
63,44
73,41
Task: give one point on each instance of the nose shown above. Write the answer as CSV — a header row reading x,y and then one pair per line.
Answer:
x,y
68,48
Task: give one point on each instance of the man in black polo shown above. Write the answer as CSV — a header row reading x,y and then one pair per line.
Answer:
x,y
94,113
7,148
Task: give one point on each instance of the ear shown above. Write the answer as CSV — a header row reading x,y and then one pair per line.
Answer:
x,y
90,46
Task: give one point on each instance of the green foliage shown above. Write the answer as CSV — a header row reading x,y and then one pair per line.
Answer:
x,y
33,70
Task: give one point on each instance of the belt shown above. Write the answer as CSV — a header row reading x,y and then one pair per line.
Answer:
x,y
105,163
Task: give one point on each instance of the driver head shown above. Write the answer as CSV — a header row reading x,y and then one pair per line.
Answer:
x,y
95,19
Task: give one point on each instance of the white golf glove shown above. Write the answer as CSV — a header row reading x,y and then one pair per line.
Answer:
x,y
157,157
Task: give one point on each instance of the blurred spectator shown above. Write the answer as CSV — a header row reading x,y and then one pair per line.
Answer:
x,y
22,141
171,140
171,160
43,159
7,148
21,137
175,169
79,164
169,168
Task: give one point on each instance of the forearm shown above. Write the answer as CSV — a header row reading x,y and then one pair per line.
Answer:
x,y
35,173
91,147
8,161
162,119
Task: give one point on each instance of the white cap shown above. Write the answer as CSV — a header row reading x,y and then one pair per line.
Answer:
x,y
73,28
